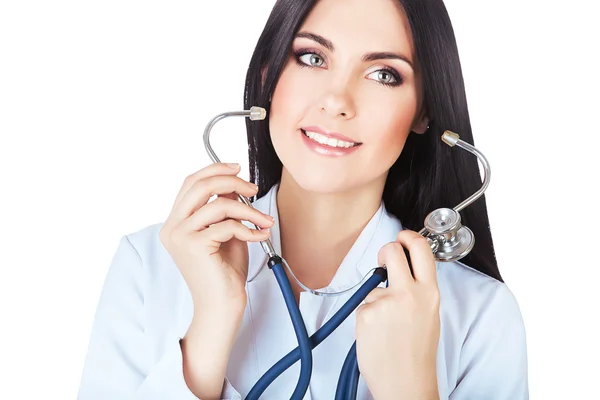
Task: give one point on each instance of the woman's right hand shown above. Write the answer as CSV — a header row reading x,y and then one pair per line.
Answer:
x,y
207,241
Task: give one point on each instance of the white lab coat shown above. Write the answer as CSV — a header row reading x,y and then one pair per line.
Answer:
x,y
145,309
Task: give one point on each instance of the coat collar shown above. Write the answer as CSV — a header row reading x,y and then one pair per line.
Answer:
x,y
381,229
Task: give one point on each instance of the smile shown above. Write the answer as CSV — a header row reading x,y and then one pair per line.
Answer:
x,y
327,141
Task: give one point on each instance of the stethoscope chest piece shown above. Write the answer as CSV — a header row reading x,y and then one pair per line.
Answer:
x,y
454,241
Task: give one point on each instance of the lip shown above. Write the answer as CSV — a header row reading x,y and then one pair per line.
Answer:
x,y
334,135
325,150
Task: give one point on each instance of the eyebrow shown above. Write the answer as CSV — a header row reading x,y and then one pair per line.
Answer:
x,y
385,55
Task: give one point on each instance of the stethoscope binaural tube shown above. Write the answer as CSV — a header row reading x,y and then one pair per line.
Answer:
x,y
255,114
275,263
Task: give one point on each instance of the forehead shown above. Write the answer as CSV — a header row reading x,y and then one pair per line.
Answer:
x,y
361,25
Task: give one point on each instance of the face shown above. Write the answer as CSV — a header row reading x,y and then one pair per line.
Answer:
x,y
349,72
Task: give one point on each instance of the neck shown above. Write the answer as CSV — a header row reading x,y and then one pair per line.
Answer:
x,y
317,229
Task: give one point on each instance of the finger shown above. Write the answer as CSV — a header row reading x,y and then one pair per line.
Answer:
x,y
201,192
375,295
208,171
222,209
232,196
224,231
421,256
392,256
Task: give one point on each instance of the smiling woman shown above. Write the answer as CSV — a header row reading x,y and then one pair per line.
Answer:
x,y
347,165
351,78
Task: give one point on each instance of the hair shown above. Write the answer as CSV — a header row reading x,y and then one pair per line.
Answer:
x,y
428,174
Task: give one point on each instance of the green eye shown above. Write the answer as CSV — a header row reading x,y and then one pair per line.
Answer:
x,y
311,59
386,77
383,76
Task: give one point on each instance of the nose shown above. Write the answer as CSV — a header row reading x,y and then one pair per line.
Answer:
x,y
338,103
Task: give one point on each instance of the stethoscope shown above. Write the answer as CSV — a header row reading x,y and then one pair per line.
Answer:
x,y
449,241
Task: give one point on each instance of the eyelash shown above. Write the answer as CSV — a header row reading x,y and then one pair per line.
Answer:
x,y
393,72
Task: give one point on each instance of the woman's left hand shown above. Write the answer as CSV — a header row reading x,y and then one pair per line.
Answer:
x,y
398,329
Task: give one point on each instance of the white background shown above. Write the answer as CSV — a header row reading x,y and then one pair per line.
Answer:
x,y
102,109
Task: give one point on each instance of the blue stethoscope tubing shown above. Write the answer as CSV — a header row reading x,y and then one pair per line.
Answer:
x,y
449,241
348,381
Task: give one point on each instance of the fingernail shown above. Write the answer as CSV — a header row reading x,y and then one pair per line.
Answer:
x,y
253,186
233,165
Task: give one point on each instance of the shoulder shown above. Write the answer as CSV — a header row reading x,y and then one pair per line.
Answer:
x,y
146,240
162,288
483,335
158,268
476,302
464,283
152,253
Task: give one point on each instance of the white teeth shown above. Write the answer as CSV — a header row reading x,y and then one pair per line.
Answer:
x,y
328,141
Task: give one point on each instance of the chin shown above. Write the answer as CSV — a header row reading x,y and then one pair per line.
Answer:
x,y
316,181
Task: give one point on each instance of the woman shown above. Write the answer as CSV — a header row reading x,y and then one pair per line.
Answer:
x,y
386,76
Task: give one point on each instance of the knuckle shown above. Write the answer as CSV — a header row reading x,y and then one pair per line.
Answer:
x,y
222,207
391,249
386,252
396,246
199,186
190,179
363,315
386,248
408,234
220,202
418,240
402,234
387,304
407,297
230,224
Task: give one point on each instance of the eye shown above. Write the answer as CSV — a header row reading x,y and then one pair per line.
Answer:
x,y
387,77
310,59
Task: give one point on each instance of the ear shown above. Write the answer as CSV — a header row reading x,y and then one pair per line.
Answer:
x,y
421,124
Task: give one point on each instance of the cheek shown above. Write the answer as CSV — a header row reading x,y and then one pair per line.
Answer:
x,y
288,103
293,95
390,126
